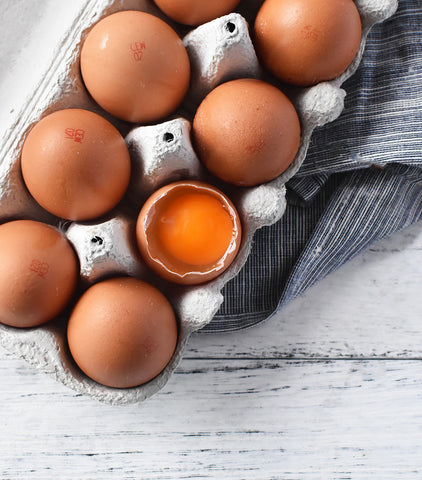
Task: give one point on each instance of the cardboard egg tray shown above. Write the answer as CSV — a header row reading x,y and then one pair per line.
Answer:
x,y
219,51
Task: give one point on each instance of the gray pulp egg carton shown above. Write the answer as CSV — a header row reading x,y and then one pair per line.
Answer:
x,y
219,51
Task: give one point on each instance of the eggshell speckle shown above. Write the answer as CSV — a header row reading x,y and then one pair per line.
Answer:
x,y
122,332
135,66
304,42
38,273
76,164
246,132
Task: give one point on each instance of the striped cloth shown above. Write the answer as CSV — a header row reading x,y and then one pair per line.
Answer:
x,y
361,180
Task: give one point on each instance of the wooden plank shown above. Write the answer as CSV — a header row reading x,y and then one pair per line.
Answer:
x,y
234,419
370,307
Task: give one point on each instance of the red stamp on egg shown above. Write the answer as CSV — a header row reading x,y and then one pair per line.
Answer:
x,y
137,49
150,345
310,33
41,268
75,134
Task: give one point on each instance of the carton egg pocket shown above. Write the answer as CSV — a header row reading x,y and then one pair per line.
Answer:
x,y
161,153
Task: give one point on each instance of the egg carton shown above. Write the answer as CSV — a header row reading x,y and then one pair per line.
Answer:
x,y
219,51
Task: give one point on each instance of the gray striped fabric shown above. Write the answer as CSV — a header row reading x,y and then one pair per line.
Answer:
x,y
361,181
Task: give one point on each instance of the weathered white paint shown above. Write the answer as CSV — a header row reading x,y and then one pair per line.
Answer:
x,y
231,419
371,307
238,410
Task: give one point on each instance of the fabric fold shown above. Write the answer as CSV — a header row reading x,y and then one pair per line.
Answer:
x,y
361,180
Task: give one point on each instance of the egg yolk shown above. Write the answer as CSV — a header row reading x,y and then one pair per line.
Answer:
x,y
196,229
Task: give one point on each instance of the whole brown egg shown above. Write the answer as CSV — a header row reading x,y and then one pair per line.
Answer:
x,y
38,273
194,12
246,132
76,164
303,42
135,66
122,332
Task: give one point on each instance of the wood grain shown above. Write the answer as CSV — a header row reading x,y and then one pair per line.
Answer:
x,y
243,419
347,405
369,308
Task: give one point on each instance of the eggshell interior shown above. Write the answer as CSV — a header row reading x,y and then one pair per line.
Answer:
x,y
219,51
175,259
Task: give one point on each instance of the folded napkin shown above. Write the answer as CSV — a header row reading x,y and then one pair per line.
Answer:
x,y
361,180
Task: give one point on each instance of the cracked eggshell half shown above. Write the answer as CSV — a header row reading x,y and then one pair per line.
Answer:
x,y
188,232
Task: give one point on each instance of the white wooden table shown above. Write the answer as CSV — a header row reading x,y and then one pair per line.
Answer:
x,y
331,388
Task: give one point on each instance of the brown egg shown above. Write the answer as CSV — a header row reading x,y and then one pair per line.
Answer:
x,y
194,12
188,232
246,132
122,332
304,42
135,66
38,273
75,164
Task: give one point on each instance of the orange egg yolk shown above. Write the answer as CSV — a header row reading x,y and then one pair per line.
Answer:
x,y
196,229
